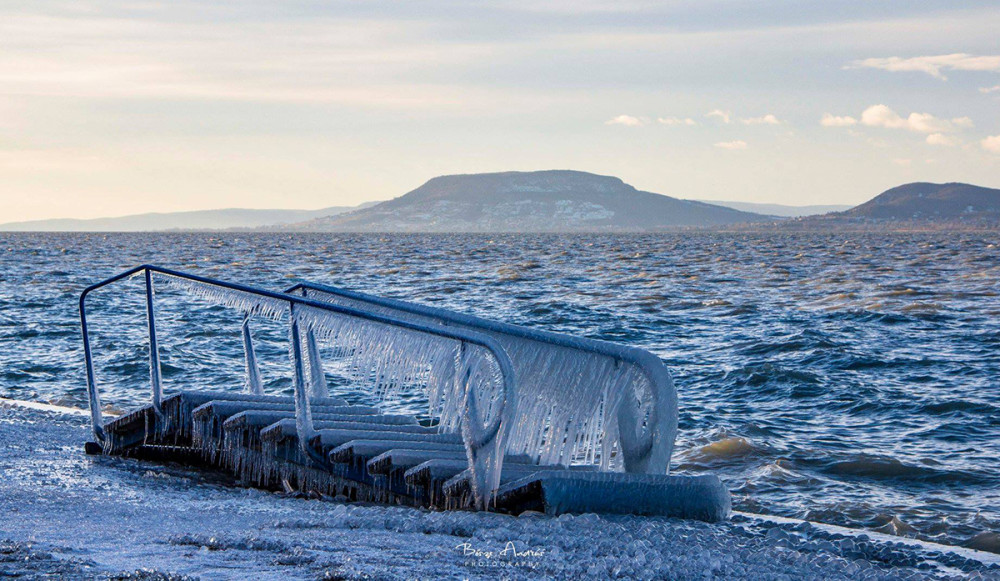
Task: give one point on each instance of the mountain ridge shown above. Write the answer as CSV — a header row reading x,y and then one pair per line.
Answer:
x,y
540,201
567,201
220,219
916,206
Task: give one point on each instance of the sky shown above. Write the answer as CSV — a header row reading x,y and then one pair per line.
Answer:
x,y
110,108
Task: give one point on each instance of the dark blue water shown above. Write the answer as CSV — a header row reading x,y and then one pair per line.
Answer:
x,y
851,379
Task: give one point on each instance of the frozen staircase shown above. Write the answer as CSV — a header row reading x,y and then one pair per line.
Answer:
x,y
522,420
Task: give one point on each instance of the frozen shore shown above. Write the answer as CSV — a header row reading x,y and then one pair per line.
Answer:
x,y
71,516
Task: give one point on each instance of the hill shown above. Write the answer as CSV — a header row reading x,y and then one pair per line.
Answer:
x,y
926,201
541,201
915,206
196,220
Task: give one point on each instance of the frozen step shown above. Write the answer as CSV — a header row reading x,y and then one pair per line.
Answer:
x,y
242,443
701,497
349,460
262,419
202,397
244,429
331,438
224,409
370,448
281,439
404,459
438,469
142,426
239,434
208,418
327,439
426,478
387,469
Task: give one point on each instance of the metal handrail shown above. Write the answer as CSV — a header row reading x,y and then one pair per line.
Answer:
x,y
662,385
462,335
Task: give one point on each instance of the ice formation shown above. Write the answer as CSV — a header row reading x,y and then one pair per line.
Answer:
x,y
563,400
86,514
253,382
579,401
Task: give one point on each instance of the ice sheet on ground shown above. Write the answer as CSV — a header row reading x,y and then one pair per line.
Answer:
x,y
73,516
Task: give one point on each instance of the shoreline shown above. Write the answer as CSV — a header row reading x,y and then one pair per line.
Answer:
x,y
109,515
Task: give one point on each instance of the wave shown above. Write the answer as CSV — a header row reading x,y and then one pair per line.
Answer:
x,y
881,467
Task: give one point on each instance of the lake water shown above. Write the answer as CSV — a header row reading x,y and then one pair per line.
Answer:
x,y
852,378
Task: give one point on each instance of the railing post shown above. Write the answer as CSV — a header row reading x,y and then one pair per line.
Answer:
x,y
154,352
94,395
254,384
303,412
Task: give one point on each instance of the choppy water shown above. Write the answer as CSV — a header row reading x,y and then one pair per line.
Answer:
x,y
851,379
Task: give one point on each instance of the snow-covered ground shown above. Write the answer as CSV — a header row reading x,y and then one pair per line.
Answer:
x,y
67,515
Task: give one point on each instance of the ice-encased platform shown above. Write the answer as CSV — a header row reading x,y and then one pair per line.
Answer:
x,y
390,458
522,419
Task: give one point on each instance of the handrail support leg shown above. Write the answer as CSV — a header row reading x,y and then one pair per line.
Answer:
x,y
154,352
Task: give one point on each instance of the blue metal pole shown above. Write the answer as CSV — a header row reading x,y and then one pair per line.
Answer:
x,y
94,396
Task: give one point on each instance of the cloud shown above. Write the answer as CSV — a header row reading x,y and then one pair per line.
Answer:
x,y
738,144
768,119
902,161
993,89
724,116
932,65
626,120
829,120
671,121
942,139
991,143
883,116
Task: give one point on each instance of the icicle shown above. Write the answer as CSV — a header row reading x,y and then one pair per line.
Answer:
x,y
574,404
253,382
317,377
249,303
571,400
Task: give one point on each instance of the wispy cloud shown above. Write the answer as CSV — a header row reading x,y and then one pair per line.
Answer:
x,y
986,90
627,121
829,120
768,119
91,56
738,144
671,121
883,116
942,139
902,161
991,143
724,116
932,65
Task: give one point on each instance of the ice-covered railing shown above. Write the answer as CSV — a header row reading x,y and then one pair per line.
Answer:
x,y
580,401
467,376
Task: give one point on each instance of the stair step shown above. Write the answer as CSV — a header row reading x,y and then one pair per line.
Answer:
x,y
370,448
261,419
